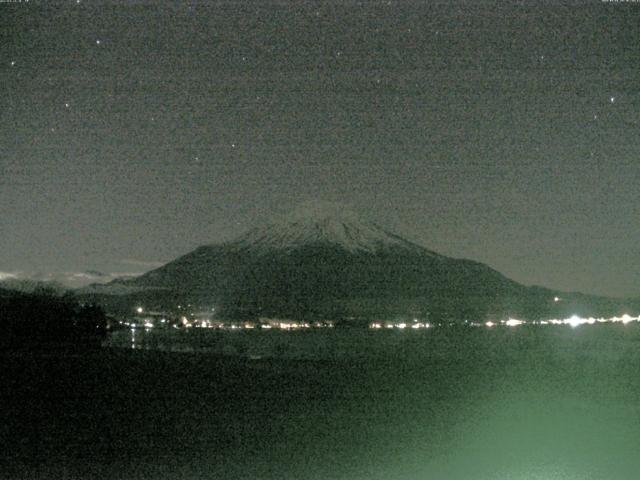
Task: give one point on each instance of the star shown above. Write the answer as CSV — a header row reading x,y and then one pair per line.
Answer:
x,y
612,99
67,105
233,145
13,62
595,117
98,42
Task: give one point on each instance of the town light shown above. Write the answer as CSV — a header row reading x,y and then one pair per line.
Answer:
x,y
574,321
512,322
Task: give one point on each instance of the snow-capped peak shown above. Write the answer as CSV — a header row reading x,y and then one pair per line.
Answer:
x,y
323,223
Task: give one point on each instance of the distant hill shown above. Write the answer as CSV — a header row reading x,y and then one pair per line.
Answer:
x,y
31,286
325,262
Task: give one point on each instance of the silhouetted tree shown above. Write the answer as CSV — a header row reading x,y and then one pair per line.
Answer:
x,y
44,319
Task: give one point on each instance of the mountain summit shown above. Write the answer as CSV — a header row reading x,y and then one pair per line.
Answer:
x,y
330,224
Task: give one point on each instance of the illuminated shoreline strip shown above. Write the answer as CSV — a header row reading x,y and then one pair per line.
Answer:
x,y
573,321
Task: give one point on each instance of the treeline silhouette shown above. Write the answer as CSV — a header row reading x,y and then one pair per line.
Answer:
x,y
43,319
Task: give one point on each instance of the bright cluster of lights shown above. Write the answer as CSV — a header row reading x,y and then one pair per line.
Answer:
x,y
203,319
282,325
298,325
399,325
573,321
512,322
185,322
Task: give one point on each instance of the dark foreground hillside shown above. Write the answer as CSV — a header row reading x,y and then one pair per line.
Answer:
x,y
556,403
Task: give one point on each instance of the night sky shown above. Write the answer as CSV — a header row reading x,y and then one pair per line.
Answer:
x,y
505,132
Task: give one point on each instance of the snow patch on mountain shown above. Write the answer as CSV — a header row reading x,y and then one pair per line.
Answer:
x,y
324,223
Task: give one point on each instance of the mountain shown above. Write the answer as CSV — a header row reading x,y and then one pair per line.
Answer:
x,y
323,261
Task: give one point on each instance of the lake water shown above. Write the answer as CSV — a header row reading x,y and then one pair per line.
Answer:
x,y
502,403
